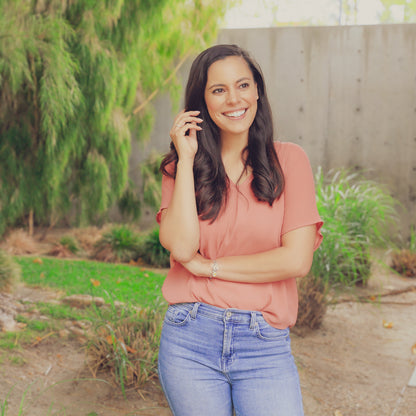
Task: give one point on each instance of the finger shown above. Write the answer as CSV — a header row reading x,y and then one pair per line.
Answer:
x,y
192,113
187,120
185,116
192,130
192,125
180,130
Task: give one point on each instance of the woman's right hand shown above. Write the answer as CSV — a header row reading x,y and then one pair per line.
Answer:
x,y
186,145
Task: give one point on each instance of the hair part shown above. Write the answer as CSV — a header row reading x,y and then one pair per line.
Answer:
x,y
211,181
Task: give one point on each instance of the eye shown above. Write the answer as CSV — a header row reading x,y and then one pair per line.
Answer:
x,y
244,85
218,90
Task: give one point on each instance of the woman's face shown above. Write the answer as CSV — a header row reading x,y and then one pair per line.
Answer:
x,y
231,95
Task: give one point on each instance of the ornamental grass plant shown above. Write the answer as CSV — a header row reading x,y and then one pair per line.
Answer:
x,y
66,247
9,272
152,252
126,345
119,244
312,303
404,260
357,214
19,242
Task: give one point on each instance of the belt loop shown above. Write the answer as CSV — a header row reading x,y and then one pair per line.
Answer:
x,y
253,320
194,310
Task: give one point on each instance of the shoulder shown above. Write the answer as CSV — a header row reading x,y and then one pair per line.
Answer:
x,y
287,151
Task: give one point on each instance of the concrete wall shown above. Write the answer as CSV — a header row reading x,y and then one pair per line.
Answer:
x,y
346,94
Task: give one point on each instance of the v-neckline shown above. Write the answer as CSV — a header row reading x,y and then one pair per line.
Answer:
x,y
239,182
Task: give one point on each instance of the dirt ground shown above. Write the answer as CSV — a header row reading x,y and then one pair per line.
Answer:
x,y
352,366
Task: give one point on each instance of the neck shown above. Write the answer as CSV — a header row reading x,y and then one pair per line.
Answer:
x,y
232,157
233,144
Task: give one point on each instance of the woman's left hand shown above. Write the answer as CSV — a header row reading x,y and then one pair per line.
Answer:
x,y
199,266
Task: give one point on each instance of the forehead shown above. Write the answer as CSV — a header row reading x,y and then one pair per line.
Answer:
x,y
228,70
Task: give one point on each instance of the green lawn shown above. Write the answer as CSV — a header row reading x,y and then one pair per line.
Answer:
x,y
111,281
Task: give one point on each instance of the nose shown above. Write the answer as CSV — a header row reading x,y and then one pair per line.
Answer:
x,y
233,96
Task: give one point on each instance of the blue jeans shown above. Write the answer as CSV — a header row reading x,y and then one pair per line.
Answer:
x,y
214,361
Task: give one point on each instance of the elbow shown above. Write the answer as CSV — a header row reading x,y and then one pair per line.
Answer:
x,y
303,272
183,256
181,252
303,267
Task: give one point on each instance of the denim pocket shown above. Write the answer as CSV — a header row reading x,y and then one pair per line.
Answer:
x,y
269,333
177,314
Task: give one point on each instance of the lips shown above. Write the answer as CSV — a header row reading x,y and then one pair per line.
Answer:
x,y
235,114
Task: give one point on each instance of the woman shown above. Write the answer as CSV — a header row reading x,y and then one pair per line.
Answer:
x,y
239,218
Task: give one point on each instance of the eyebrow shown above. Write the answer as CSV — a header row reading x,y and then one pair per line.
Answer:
x,y
222,85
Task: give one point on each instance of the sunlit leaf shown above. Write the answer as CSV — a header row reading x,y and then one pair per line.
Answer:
x,y
95,282
387,324
131,350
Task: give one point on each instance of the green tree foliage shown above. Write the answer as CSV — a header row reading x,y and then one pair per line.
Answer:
x,y
348,12
75,78
398,11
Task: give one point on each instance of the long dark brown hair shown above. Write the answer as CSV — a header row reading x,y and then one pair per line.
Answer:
x,y
211,181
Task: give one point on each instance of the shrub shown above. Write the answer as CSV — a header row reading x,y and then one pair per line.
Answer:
x,y
88,237
404,260
19,242
357,213
120,244
152,252
66,247
312,302
70,243
10,272
127,348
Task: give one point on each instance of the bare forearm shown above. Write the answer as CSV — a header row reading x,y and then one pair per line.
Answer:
x,y
269,266
179,228
292,259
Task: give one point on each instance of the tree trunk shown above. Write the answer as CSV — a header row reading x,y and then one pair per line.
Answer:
x,y
31,223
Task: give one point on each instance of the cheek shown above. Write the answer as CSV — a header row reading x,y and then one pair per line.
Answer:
x,y
254,98
212,106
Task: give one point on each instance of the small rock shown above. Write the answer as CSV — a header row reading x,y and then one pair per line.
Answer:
x,y
82,301
63,333
8,324
77,331
82,324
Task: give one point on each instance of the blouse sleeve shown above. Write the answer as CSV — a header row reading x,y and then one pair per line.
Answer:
x,y
299,193
168,184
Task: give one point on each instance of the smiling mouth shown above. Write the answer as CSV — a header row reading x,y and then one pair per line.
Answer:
x,y
235,114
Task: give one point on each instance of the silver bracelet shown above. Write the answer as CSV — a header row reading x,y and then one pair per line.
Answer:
x,y
214,269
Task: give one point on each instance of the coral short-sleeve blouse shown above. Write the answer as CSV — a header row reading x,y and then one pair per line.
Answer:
x,y
248,226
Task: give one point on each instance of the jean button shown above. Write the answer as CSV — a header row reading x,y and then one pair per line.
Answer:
x,y
228,314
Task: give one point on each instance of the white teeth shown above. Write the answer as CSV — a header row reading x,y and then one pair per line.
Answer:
x,y
235,113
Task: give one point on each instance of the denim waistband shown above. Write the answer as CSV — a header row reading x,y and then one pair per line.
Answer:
x,y
221,314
